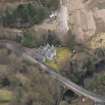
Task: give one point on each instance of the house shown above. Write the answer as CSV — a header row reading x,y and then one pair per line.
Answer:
x,y
51,53
47,52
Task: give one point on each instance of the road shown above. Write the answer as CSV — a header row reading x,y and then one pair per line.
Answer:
x,y
18,49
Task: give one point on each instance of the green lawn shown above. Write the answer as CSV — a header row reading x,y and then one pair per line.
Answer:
x,y
5,96
63,54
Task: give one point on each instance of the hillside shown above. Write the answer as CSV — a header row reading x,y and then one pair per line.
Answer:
x,y
75,29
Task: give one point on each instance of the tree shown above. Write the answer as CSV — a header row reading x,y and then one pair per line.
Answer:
x,y
25,15
53,39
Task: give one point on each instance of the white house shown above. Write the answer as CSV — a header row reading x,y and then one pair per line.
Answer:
x,y
47,52
51,53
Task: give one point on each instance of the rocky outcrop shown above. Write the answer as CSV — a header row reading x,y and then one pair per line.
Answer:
x,y
82,21
83,18
99,15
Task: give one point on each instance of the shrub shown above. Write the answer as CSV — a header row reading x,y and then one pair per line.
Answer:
x,y
27,40
98,84
25,15
31,40
50,4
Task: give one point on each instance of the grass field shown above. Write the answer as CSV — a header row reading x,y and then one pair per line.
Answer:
x,y
5,96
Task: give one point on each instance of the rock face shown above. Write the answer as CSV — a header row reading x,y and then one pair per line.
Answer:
x,y
98,41
62,19
82,21
82,17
